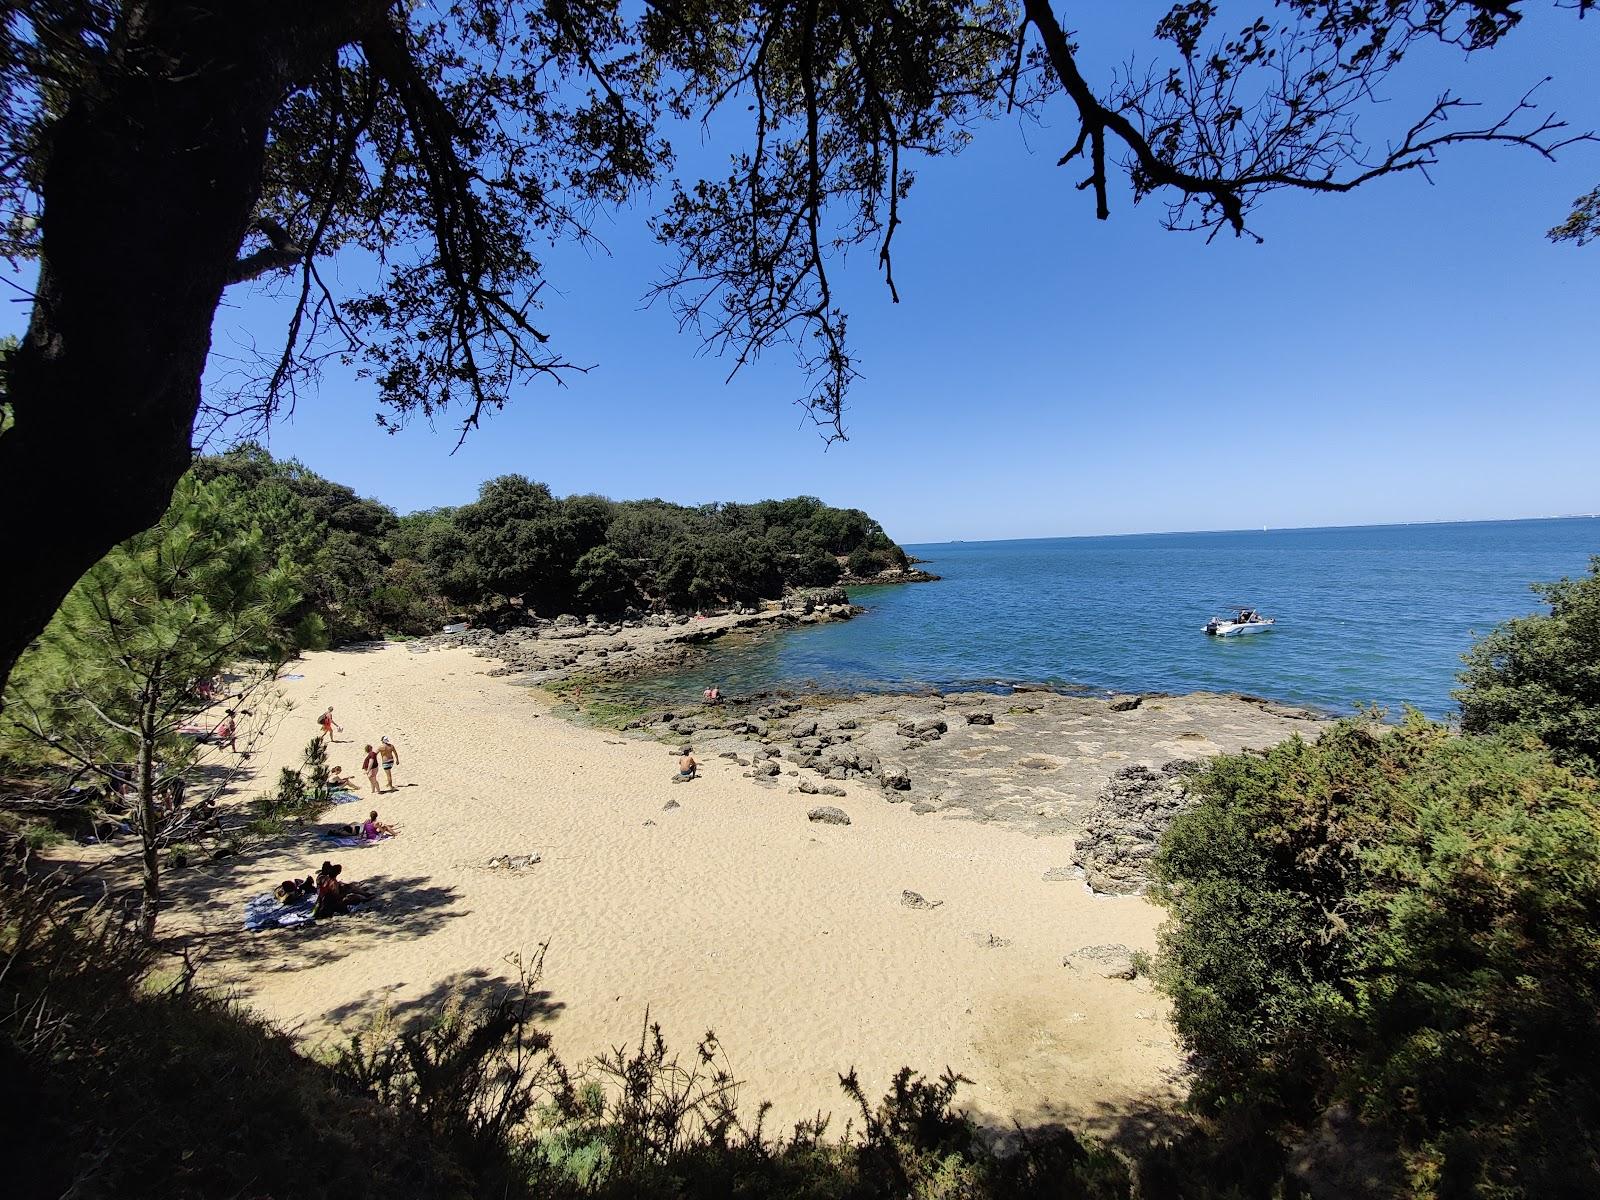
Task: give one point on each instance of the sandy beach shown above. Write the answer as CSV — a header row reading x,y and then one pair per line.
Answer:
x,y
730,912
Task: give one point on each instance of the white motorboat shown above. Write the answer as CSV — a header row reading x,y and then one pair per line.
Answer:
x,y
1245,620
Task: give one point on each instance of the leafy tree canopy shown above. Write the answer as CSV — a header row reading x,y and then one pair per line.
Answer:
x,y
1541,674
367,572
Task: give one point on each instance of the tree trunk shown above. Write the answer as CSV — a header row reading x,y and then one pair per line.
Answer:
x,y
149,822
153,176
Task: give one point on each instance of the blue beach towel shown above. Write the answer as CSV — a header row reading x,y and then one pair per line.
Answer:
x,y
265,912
343,797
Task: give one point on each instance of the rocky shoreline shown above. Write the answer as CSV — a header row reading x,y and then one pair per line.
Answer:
x,y
1108,772
567,650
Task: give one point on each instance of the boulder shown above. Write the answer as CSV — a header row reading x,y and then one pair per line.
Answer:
x,y
803,729
980,718
1111,961
1126,824
828,815
829,789
670,805
913,900
807,787
1126,703
766,767
895,778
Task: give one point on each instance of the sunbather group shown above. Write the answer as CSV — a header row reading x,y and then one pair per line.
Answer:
x,y
333,895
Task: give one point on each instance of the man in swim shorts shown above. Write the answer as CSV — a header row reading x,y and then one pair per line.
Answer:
x,y
388,759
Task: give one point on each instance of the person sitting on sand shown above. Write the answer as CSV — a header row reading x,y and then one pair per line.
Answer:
x,y
687,767
338,781
334,896
373,829
292,891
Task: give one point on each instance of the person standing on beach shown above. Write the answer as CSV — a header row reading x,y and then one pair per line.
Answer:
x,y
388,759
369,765
329,724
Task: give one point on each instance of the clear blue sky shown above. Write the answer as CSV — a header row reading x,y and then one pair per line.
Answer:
x,y
1404,353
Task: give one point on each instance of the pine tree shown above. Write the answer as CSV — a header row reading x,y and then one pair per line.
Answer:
x,y
127,663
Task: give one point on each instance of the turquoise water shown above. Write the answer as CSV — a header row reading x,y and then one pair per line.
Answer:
x,y
1376,614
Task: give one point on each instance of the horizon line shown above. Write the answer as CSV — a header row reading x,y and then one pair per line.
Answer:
x,y
1066,537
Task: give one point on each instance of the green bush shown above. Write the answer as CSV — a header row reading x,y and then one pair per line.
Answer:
x,y
1541,674
1407,921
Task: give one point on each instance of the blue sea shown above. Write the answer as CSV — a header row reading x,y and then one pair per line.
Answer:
x,y
1378,614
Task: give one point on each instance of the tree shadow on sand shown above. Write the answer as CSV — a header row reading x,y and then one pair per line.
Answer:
x,y
471,988
1132,1126
403,908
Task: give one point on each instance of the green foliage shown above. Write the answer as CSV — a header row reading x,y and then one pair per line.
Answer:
x,y
301,794
123,665
1407,921
1540,674
127,653
603,582
338,542
369,573
1582,225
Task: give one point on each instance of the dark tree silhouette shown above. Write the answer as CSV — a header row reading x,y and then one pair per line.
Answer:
x,y
154,153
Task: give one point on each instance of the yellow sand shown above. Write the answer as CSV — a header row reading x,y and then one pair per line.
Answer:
x,y
732,913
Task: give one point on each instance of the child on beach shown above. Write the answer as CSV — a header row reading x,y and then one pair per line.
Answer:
x,y
369,765
686,768
388,759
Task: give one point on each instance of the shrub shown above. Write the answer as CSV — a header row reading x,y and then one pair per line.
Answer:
x,y
120,1085
1541,674
301,794
1407,921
